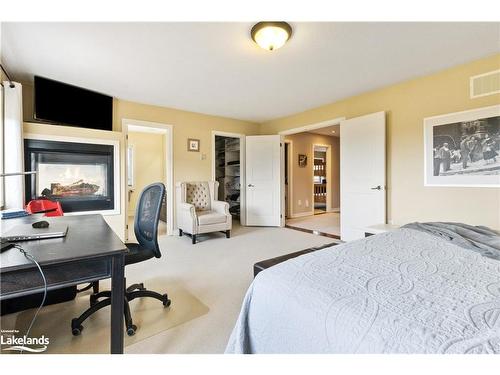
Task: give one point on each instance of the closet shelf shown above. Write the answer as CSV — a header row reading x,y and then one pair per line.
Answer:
x,y
227,153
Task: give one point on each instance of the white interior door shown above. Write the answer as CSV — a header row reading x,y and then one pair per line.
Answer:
x,y
362,174
263,180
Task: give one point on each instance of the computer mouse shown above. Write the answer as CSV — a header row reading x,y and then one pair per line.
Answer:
x,y
40,224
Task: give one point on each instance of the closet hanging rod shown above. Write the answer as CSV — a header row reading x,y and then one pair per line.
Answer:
x,y
8,77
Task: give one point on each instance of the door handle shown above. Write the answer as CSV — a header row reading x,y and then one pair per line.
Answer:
x,y
377,187
251,185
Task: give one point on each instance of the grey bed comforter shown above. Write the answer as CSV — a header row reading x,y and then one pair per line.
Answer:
x,y
407,291
483,240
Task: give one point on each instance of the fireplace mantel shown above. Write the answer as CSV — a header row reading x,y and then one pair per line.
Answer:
x,y
70,189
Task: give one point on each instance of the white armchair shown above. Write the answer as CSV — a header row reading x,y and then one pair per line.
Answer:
x,y
199,212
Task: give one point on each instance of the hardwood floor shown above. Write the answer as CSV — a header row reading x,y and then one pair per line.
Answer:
x,y
327,224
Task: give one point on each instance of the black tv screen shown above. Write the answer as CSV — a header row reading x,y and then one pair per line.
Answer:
x,y
60,103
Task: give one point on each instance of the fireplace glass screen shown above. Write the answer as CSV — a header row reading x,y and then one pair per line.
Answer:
x,y
80,176
71,180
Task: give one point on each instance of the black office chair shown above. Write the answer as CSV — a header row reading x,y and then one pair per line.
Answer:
x,y
146,231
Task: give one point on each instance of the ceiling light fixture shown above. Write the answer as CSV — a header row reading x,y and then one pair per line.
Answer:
x,y
271,35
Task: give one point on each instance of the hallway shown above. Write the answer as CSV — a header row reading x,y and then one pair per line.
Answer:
x,y
324,224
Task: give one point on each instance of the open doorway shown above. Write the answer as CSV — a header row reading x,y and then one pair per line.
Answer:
x,y
358,168
228,169
321,189
287,172
148,160
312,178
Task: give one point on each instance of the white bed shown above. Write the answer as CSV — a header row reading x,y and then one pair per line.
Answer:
x,y
399,292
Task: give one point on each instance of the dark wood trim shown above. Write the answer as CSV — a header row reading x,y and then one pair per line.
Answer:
x,y
316,232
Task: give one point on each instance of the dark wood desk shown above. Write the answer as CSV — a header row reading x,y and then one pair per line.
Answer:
x,y
90,251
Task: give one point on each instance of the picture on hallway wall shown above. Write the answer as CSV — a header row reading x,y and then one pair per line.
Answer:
x,y
463,148
193,145
302,160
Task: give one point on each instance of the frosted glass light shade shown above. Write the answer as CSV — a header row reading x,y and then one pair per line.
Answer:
x,y
271,35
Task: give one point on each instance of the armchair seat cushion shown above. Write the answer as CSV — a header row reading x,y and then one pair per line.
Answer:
x,y
210,217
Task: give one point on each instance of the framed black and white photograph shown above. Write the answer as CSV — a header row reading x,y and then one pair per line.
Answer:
x,y
302,160
193,144
463,148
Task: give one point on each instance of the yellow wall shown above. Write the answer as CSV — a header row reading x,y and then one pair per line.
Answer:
x,y
406,105
149,163
302,178
187,165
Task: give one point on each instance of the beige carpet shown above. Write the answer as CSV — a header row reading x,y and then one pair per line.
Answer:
x,y
54,321
206,282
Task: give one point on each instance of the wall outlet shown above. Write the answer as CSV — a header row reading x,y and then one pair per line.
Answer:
x,y
299,202
203,156
307,202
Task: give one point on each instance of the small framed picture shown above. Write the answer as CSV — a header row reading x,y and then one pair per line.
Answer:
x,y
193,145
302,160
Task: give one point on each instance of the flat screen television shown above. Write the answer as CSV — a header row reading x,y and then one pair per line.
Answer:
x,y
64,104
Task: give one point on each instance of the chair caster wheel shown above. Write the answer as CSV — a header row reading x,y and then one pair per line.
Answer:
x,y
166,302
76,331
131,330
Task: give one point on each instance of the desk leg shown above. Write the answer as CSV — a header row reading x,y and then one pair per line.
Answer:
x,y
117,298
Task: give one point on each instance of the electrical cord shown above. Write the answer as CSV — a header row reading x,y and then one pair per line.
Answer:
x,y
32,259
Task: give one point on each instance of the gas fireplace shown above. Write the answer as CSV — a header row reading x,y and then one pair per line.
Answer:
x,y
78,175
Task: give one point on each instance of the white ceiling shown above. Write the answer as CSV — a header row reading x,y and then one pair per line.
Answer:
x,y
215,68
333,130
